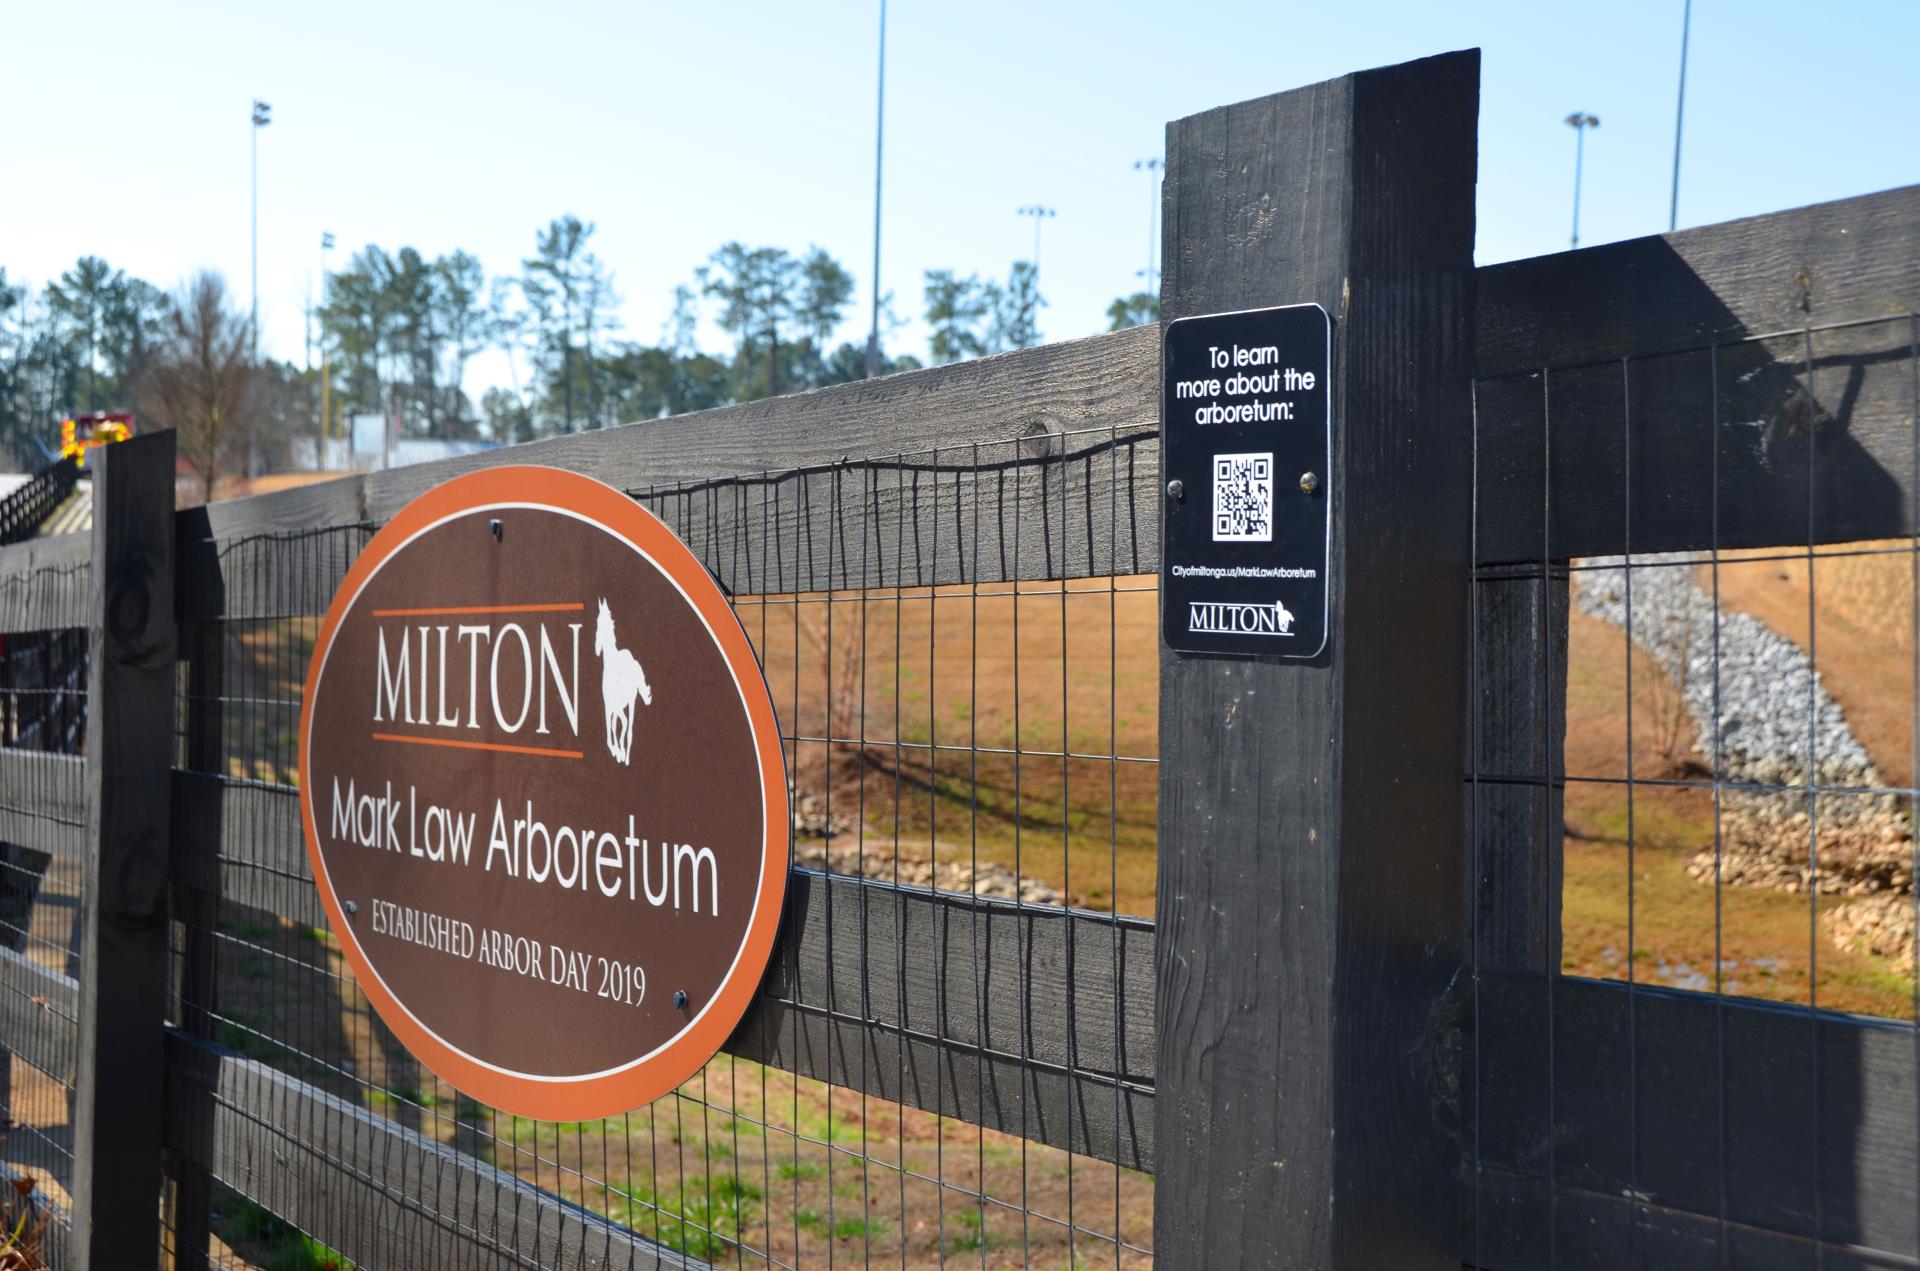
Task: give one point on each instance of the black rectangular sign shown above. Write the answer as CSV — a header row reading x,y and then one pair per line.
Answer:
x,y
1246,455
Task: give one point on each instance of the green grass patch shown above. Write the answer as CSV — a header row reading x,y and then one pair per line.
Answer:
x,y
823,1128
973,1234
857,1228
378,1097
268,1241
702,1222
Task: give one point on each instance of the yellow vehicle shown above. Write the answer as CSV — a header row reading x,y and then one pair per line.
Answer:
x,y
81,433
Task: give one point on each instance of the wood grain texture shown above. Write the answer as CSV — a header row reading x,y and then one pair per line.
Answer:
x,y
1008,1016
123,961
1598,1229
1311,815
1033,464
1828,262
1050,507
43,802
242,844
755,487
1637,391
1029,1019
380,1194
1793,1127
44,583
1072,1110
38,1009
189,1197
1518,806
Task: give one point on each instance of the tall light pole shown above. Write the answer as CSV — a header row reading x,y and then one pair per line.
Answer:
x,y
879,139
1152,167
262,116
1679,118
1579,121
326,380
1039,215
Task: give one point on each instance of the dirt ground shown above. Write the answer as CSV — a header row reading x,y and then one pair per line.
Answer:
x,y
743,1162
887,697
1627,901
1862,632
1018,729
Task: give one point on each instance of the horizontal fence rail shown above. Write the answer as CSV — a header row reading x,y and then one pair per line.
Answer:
x,y
385,1195
43,583
24,511
1030,1019
1608,361
45,598
1822,268
1032,408
1026,1019
1742,386
1655,421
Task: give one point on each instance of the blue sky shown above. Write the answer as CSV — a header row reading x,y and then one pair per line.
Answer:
x,y
675,127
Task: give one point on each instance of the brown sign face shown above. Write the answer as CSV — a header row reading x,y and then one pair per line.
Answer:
x,y
544,794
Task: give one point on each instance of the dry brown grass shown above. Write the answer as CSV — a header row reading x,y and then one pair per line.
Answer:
x,y
743,1155
1860,629
1627,899
960,722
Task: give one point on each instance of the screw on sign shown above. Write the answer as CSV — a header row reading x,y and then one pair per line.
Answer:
x,y
543,794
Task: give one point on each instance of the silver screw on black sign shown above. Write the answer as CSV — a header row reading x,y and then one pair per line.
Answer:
x,y
1176,490
1309,482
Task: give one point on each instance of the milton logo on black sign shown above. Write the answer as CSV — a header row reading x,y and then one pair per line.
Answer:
x,y
1227,617
1247,456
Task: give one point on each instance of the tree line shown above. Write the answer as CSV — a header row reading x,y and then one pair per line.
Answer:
x,y
394,332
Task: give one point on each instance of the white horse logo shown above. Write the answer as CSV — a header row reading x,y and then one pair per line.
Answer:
x,y
621,680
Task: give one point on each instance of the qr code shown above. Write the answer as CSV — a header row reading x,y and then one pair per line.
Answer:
x,y
1243,498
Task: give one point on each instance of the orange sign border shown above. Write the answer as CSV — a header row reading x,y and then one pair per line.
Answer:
x,y
641,1082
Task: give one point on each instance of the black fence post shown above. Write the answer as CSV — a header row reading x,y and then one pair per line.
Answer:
x,y
1310,943
123,962
196,908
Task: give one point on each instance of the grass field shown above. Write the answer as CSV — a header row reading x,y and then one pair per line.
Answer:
x,y
1628,905
1020,728
1076,669
743,1161
747,1160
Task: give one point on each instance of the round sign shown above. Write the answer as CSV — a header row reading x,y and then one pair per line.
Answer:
x,y
543,794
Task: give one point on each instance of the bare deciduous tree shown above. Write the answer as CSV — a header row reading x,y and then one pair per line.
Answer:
x,y
200,378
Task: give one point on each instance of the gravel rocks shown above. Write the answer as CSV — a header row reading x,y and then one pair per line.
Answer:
x,y
960,876
1881,925
1772,724
810,816
814,828
1767,689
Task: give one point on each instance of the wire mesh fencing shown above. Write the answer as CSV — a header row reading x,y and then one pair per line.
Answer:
x,y
1694,773
964,663
43,729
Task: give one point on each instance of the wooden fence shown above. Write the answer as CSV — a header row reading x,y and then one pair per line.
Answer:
x,y
23,510
1345,1039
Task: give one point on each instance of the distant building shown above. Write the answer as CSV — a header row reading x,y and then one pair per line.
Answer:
x,y
372,443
